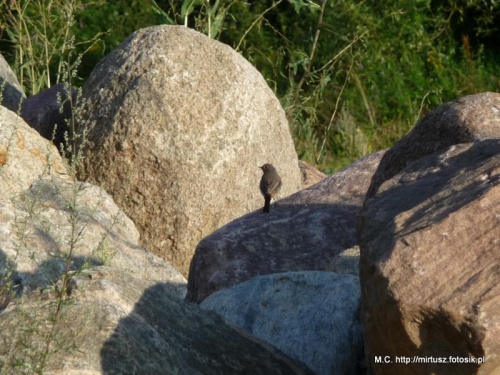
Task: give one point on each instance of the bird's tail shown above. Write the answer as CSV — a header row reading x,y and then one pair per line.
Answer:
x,y
267,203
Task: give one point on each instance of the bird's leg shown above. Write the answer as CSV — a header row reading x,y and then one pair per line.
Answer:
x,y
267,203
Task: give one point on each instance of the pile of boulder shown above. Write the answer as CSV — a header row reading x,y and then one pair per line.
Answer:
x,y
153,255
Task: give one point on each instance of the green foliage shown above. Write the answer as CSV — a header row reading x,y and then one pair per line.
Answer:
x,y
410,56
116,20
203,15
387,63
42,41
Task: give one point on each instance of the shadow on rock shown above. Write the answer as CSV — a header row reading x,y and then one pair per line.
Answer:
x,y
13,282
164,335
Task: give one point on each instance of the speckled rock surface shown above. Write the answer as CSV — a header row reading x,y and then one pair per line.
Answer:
x,y
24,155
305,231
38,227
430,280
311,316
187,122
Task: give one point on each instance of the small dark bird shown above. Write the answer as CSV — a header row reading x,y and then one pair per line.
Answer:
x,y
270,184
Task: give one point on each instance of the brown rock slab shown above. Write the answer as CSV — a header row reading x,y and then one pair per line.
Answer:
x,y
430,254
468,119
178,125
24,156
310,175
302,232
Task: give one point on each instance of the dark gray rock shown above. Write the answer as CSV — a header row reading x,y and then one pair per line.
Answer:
x,y
12,93
311,316
43,112
302,232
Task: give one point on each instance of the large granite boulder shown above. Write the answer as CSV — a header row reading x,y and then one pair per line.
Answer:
x,y
302,232
311,316
11,92
178,125
117,324
430,280
24,156
50,112
468,119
